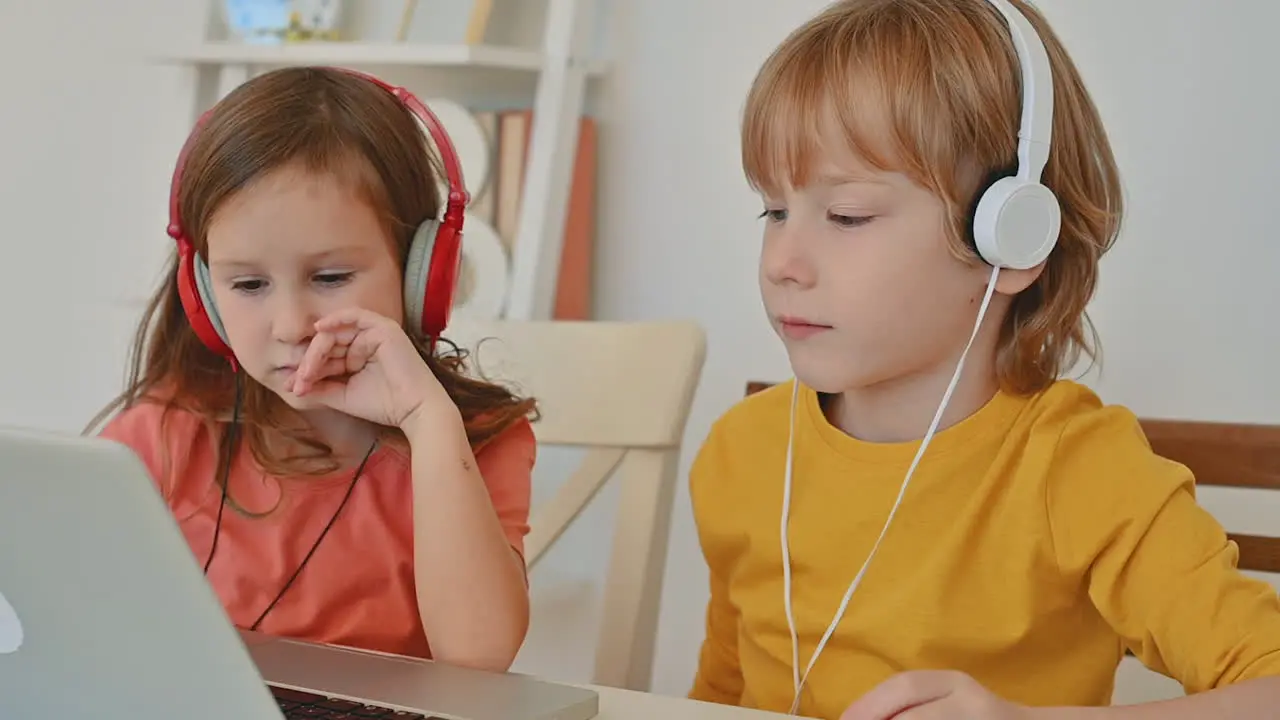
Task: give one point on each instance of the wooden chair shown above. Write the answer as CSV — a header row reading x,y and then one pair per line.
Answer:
x,y
1222,456
622,391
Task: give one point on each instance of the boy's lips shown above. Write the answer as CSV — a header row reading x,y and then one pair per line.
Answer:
x,y
798,328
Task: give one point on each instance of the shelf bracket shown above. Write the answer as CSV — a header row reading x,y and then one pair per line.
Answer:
x,y
553,142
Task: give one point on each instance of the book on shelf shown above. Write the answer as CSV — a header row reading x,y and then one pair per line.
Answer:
x,y
477,19
499,203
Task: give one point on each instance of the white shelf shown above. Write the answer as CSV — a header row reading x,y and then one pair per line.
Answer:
x,y
557,67
360,53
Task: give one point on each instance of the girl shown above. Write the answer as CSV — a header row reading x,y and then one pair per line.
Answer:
x,y
993,556
338,479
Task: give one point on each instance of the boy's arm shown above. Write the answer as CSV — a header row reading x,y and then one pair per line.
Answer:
x,y
1162,572
1158,568
719,677
1257,698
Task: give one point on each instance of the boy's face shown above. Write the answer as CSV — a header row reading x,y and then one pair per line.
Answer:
x,y
859,283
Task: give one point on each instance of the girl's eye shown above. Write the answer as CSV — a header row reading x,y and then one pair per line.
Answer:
x,y
774,215
247,286
333,279
848,221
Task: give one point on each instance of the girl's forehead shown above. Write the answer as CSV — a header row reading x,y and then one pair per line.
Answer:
x,y
294,215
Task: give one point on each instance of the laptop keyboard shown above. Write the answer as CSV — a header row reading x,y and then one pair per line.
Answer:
x,y
296,704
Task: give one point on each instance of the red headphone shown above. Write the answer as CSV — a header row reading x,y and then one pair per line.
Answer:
x,y
430,272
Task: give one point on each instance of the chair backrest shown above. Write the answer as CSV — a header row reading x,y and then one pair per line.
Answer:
x,y
622,391
1227,455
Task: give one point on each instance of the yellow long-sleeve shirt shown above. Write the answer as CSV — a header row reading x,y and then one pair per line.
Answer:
x,y
1038,539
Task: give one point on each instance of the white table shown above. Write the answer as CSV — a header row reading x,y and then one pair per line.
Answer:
x,y
618,704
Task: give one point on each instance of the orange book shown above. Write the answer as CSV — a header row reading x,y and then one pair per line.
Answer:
x,y
573,290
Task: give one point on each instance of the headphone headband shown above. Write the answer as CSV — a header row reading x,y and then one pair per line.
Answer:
x,y
1035,131
456,201
1017,219
431,268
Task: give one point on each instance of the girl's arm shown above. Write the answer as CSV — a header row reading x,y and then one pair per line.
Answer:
x,y
471,584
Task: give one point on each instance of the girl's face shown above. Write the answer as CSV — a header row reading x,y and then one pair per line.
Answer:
x,y
287,250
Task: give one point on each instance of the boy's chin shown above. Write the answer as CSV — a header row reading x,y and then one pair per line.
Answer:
x,y
823,375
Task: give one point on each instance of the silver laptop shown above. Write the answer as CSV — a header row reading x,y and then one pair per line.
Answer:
x,y
104,613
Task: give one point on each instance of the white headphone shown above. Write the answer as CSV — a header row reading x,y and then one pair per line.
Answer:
x,y
1017,220
1015,226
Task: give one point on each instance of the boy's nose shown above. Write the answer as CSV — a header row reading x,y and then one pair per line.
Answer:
x,y
784,259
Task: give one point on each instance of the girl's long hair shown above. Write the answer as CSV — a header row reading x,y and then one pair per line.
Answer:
x,y
326,121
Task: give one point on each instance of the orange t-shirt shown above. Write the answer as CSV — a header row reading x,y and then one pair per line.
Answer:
x,y
358,588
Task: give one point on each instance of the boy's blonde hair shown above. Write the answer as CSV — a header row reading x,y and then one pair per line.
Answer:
x,y
931,89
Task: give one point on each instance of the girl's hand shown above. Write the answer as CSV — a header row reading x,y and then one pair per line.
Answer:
x,y
933,695
362,364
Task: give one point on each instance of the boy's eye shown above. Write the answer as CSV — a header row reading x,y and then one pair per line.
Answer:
x,y
848,220
774,215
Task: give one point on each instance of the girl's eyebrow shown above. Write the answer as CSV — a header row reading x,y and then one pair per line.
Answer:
x,y
315,257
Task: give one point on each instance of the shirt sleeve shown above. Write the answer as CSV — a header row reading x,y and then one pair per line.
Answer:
x,y
1158,567
145,429
719,674
506,464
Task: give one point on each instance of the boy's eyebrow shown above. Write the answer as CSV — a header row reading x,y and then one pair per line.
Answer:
x,y
848,178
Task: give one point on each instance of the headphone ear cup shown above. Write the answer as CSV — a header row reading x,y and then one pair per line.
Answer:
x,y
195,291
204,286
1016,224
420,293
442,280
431,277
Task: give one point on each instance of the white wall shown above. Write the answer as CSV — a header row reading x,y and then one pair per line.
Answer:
x,y
1182,308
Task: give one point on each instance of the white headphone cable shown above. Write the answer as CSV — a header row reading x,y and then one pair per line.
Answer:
x,y
797,679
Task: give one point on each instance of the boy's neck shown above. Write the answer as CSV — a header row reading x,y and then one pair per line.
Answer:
x,y
900,410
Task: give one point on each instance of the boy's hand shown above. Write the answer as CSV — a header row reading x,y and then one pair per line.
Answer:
x,y
933,695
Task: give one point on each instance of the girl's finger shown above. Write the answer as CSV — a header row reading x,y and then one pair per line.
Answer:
x,y
317,353
361,350
300,384
357,318
332,393
328,368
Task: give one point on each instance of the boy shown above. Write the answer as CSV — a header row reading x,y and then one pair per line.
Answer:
x,y
1035,536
